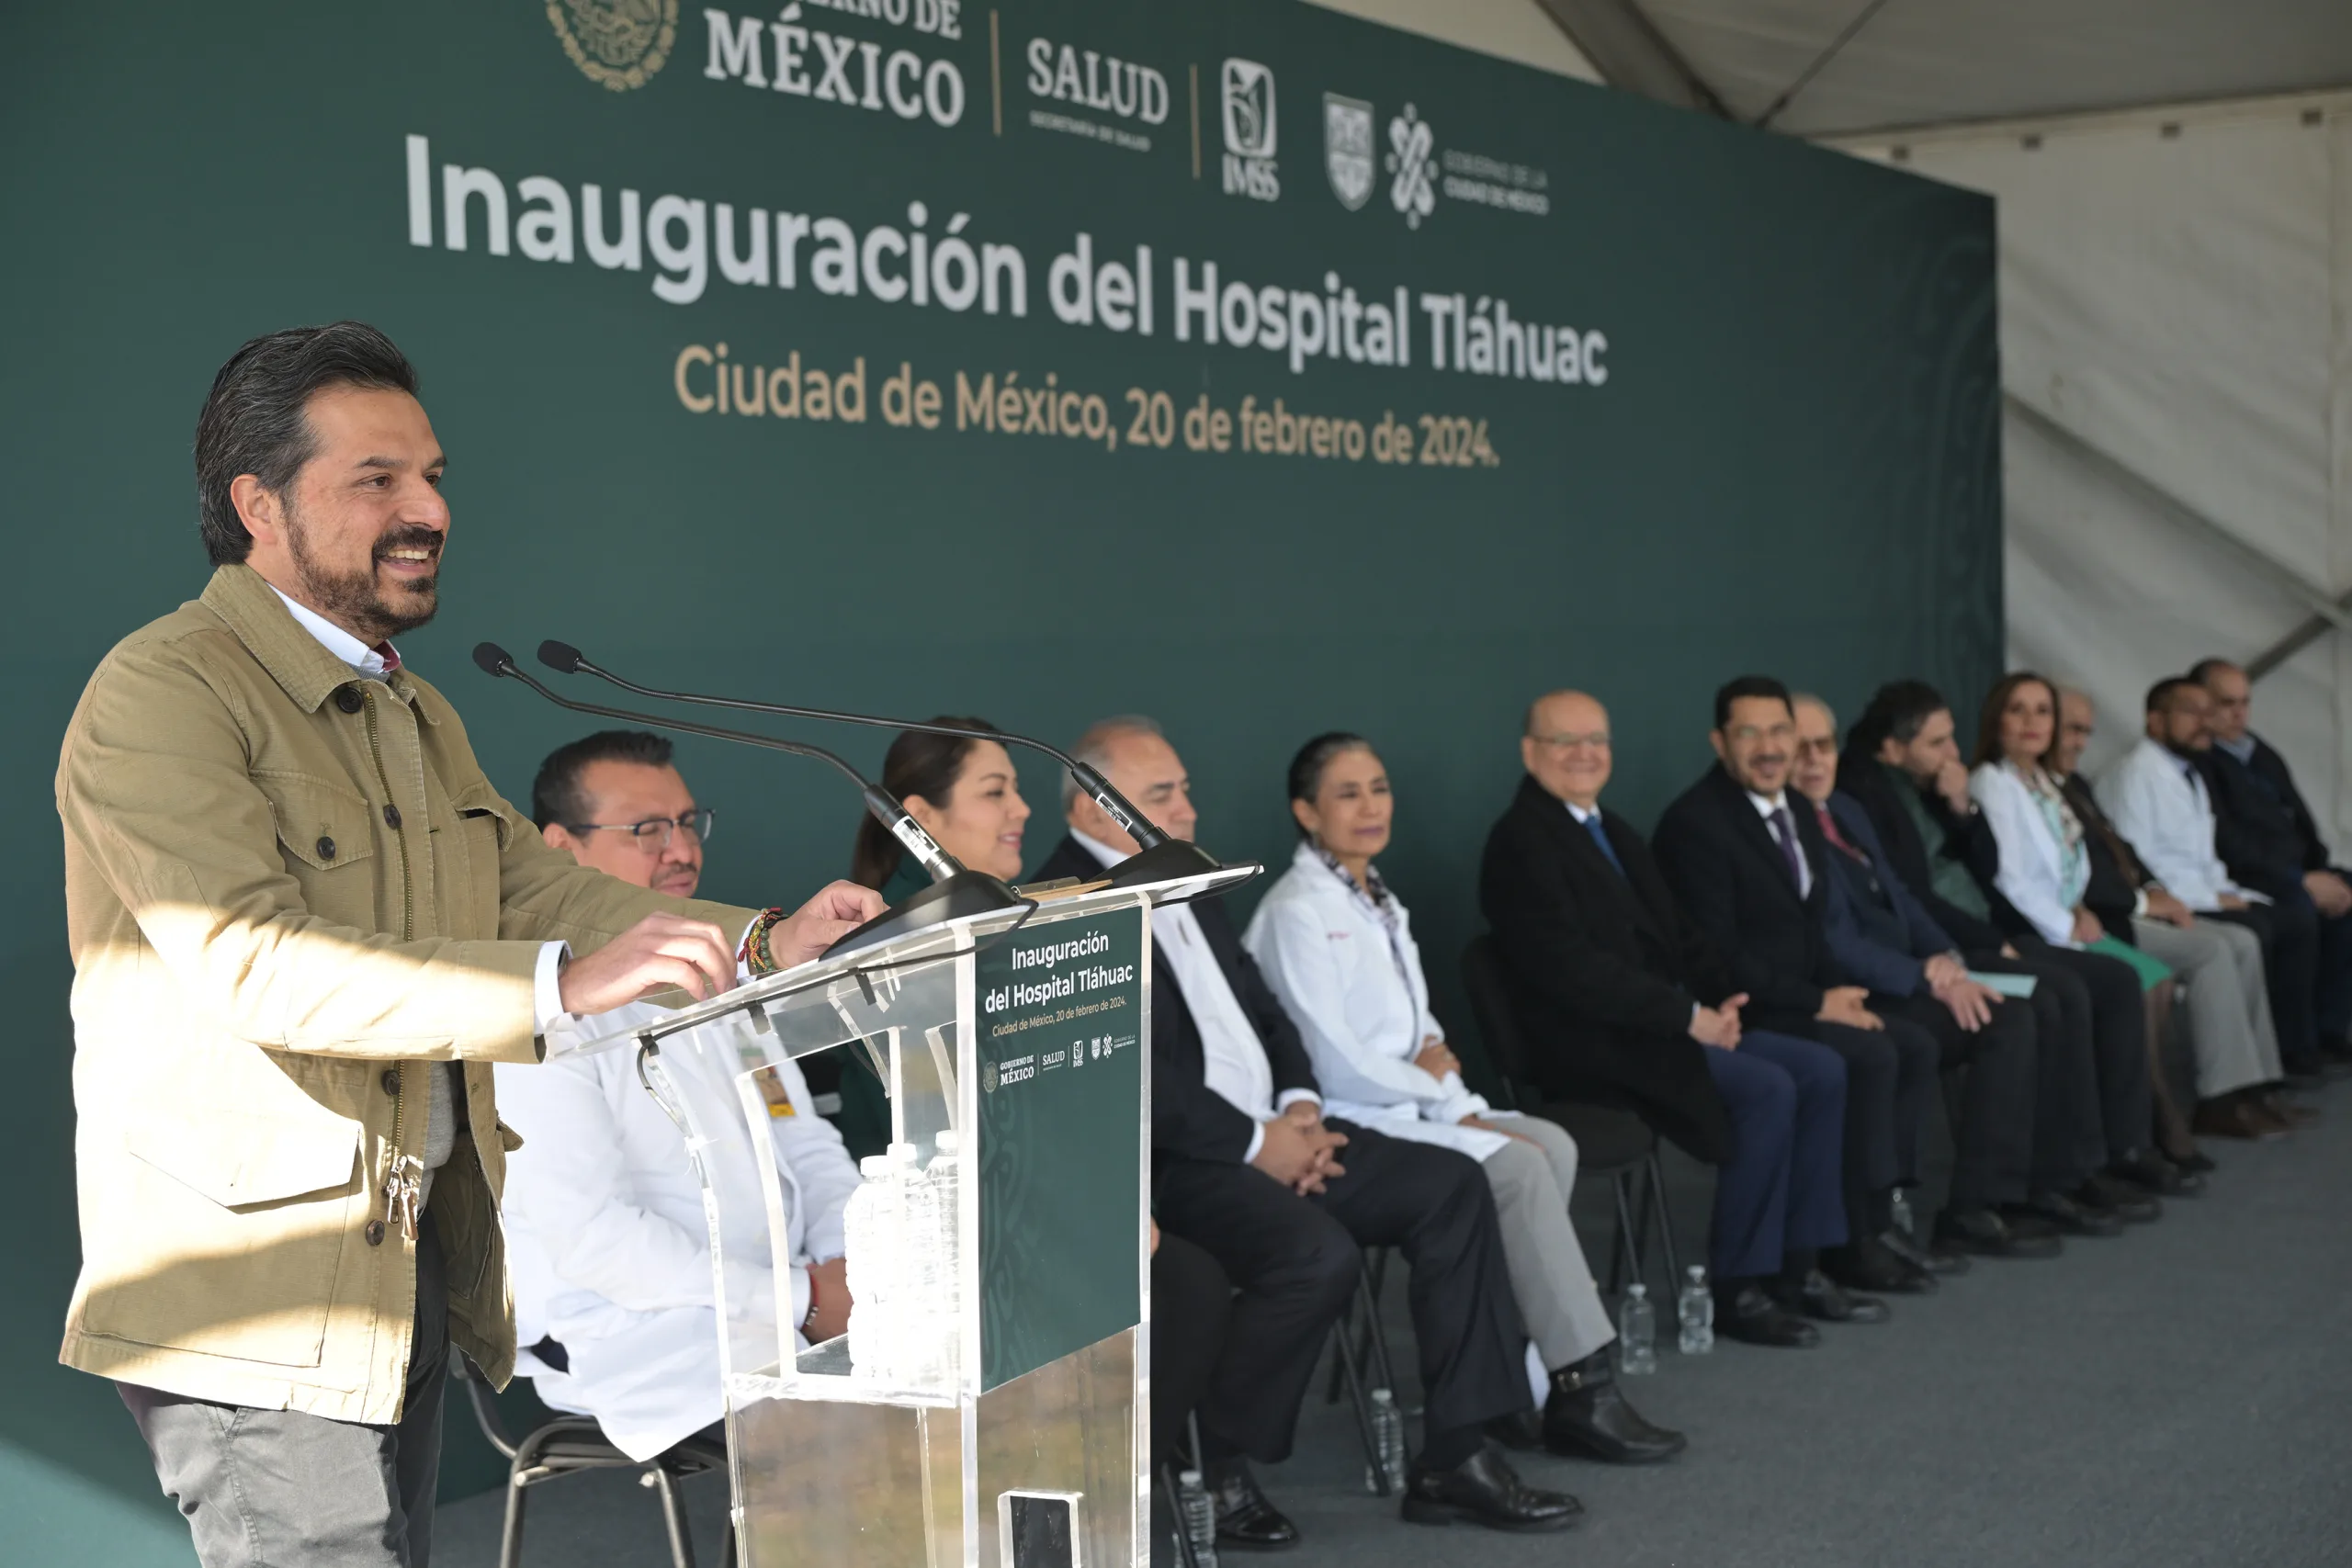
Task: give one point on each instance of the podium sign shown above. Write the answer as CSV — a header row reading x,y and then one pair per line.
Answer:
x,y
995,1414
1061,1065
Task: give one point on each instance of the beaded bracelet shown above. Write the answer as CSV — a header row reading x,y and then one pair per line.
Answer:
x,y
755,953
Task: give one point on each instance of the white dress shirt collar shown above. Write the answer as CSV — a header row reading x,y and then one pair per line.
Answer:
x,y
334,639
1582,813
1233,1059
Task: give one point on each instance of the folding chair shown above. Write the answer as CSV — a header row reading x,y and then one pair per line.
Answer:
x,y
569,1444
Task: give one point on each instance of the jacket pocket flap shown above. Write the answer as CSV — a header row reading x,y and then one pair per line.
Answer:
x,y
237,1160
478,799
321,825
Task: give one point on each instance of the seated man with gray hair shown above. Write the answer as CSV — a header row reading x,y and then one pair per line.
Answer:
x,y
1245,1167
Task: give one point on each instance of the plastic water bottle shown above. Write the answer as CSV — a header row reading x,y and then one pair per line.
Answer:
x,y
1196,1517
943,1247
866,1227
1637,1332
1387,1442
1697,1311
1899,1204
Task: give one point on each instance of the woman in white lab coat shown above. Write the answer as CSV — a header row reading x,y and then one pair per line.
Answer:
x,y
1336,947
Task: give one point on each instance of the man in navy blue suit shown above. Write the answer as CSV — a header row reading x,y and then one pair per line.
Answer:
x,y
1885,937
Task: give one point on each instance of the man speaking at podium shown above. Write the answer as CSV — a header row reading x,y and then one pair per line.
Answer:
x,y
303,927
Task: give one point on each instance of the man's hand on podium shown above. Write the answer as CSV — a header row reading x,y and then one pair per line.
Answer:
x,y
659,950
838,908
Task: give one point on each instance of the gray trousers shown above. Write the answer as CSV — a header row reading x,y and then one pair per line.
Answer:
x,y
282,1489
2229,1003
1532,1181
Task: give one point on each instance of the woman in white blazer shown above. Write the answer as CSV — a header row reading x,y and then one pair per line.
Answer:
x,y
1336,947
2045,870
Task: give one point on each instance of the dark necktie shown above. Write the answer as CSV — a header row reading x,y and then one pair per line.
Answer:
x,y
1784,830
1592,824
1837,840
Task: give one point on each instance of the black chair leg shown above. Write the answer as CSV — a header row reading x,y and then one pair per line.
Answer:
x,y
1372,1350
1624,1246
510,1542
674,1513
1665,1217
1353,1376
1168,1489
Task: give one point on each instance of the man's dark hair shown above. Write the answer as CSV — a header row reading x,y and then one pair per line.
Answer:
x,y
254,421
556,794
1896,711
2202,671
2160,694
1731,692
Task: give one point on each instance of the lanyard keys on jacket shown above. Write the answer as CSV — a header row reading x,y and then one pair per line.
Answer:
x,y
404,1193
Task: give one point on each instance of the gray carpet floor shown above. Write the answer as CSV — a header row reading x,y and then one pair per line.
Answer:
x,y
2180,1396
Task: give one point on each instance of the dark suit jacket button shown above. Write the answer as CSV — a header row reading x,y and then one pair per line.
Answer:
x,y
347,698
392,816
375,1233
326,846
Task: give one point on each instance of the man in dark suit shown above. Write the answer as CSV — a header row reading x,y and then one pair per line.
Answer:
x,y
1881,934
1902,765
2269,840
1622,1001
1245,1167
1752,871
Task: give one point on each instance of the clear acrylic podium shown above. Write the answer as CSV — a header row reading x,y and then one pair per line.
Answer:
x,y
1028,1035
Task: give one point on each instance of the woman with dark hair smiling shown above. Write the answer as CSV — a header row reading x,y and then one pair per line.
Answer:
x,y
964,791
2044,872
1336,947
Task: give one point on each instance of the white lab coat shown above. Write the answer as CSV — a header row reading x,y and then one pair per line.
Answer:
x,y
1327,956
608,1242
2032,864
2160,807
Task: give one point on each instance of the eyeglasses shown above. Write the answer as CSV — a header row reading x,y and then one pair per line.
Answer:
x,y
1598,740
1825,745
652,835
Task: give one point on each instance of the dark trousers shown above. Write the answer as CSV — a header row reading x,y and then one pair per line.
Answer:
x,y
1890,1081
2115,1104
1778,1192
2333,997
2290,930
1994,1145
1294,1263
272,1487
1190,1299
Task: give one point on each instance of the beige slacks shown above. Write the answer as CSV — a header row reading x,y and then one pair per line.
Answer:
x,y
1532,1179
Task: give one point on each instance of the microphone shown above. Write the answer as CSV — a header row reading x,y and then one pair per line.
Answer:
x,y
1158,857
955,894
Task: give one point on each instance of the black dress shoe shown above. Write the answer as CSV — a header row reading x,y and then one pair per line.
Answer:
x,y
1244,1519
2193,1167
2068,1217
1750,1314
1522,1430
2103,1194
1818,1296
1587,1417
1984,1234
1485,1490
1927,1258
2147,1170
1870,1265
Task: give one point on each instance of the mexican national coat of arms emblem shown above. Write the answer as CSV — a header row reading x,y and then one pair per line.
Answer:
x,y
617,43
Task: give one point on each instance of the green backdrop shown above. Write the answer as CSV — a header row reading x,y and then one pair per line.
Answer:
x,y
1791,465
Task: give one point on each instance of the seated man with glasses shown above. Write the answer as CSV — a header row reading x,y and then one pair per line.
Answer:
x,y
605,1236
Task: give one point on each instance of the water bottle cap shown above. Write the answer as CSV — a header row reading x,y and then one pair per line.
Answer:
x,y
1188,1478
874,1166
1637,1289
900,1153
947,1142
1698,1272
1384,1396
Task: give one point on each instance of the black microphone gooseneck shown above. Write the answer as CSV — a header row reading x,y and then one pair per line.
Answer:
x,y
1158,857
956,893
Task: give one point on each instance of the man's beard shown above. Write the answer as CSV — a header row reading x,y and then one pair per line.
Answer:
x,y
353,599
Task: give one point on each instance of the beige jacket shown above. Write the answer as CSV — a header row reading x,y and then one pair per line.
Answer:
x,y
289,888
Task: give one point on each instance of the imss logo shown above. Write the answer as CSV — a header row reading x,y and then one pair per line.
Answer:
x,y
1249,165
617,43
1347,149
